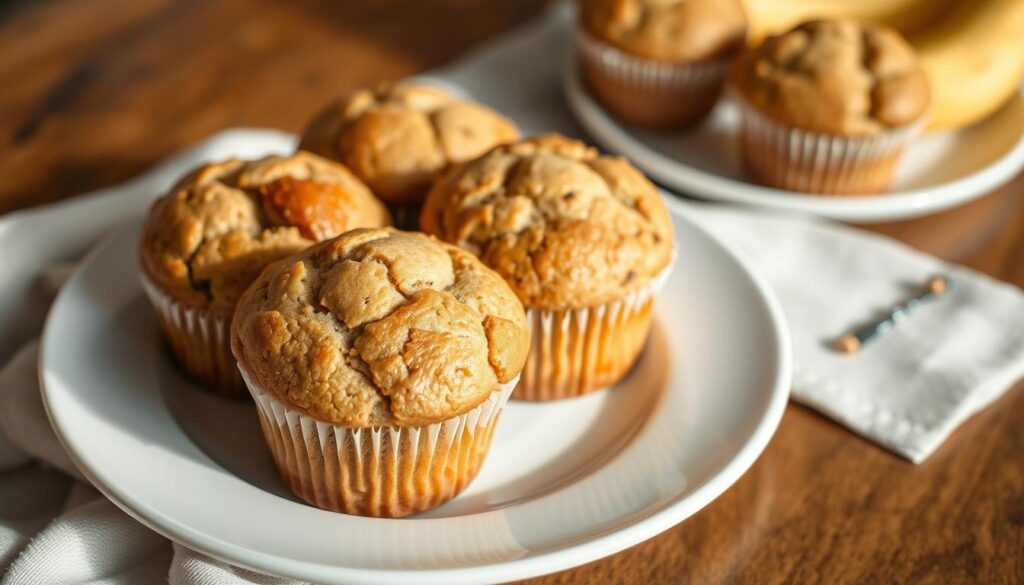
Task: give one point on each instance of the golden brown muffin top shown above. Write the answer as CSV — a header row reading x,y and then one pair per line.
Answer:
x,y
835,77
668,30
380,327
208,238
398,137
565,226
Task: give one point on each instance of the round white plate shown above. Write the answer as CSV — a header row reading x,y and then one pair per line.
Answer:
x,y
938,171
564,483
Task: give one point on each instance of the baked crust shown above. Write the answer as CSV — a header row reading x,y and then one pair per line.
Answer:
x,y
207,239
565,226
668,30
836,77
380,327
398,137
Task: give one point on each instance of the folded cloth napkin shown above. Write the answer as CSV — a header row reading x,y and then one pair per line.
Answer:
x,y
907,391
911,388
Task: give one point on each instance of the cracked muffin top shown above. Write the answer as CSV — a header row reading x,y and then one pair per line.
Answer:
x,y
380,327
208,238
836,77
398,137
668,30
565,226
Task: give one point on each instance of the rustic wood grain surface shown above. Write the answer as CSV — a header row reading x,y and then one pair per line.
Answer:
x,y
93,92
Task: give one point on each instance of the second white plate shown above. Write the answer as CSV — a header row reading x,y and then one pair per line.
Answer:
x,y
938,171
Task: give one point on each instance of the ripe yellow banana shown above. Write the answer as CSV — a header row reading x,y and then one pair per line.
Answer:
x,y
974,58
972,50
771,16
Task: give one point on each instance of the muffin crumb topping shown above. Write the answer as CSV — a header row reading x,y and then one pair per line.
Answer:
x,y
207,239
397,137
564,225
837,77
670,30
381,327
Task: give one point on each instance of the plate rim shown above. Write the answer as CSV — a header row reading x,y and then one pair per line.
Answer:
x,y
673,174
567,557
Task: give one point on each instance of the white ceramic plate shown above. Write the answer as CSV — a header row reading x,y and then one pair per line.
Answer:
x,y
938,171
565,483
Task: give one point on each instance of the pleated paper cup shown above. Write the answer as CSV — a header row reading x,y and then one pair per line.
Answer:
x,y
581,350
385,471
647,92
799,160
200,342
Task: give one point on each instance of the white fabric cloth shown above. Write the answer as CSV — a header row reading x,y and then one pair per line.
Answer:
x,y
907,391
910,388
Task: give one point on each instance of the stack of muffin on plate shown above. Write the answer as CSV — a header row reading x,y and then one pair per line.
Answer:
x,y
827,107
380,360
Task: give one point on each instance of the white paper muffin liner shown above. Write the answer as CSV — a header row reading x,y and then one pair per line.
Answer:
x,y
385,471
581,350
199,340
648,92
800,160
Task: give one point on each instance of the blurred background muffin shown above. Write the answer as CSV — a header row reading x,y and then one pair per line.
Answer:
x,y
972,51
829,106
379,362
206,240
584,240
399,137
659,63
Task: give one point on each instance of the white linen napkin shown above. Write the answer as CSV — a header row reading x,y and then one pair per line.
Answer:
x,y
906,392
909,389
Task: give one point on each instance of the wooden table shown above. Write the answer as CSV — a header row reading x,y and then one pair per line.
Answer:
x,y
94,92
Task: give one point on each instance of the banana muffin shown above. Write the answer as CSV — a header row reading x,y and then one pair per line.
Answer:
x,y
829,106
206,240
379,362
659,63
584,240
398,137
